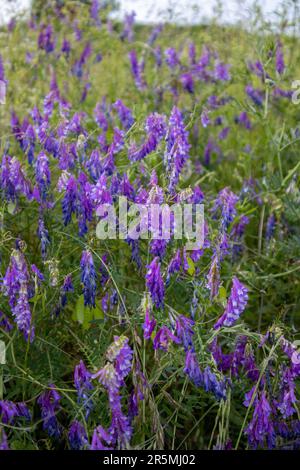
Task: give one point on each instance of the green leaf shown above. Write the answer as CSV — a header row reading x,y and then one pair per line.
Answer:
x,y
78,314
86,315
191,264
11,207
222,293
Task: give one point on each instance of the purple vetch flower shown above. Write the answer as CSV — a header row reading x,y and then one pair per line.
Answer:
x,y
236,304
260,430
135,252
43,235
84,204
157,52
221,72
184,331
77,31
100,193
258,69
163,338
116,146
128,32
66,287
112,376
270,228
213,277
120,354
3,82
88,278
155,283
29,143
102,439
13,180
212,384
3,440
77,68
211,148
187,82
223,248
68,184
37,273
66,47
42,174
86,88
192,368
237,233
205,121
223,133
77,436
280,93
46,38
280,65
226,204
244,120
16,128
102,115
16,287
223,361
174,265
148,325
177,151
8,411
49,404
94,12
158,247
83,384
288,400
192,53
156,30
195,300
124,113
5,323
136,395
255,94
155,128
137,69
172,59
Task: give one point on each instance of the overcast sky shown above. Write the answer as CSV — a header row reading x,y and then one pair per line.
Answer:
x,y
155,10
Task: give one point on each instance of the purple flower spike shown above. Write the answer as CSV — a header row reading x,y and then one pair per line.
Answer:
x,y
260,430
16,287
280,65
155,283
163,337
149,325
184,331
83,384
88,278
77,436
112,376
236,304
213,277
192,368
177,151
49,403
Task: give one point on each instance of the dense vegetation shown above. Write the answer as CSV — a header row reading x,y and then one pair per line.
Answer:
x,y
144,344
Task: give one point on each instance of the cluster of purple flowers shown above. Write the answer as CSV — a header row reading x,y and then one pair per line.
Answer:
x,y
177,149
49,402
111,376
15,286
236,304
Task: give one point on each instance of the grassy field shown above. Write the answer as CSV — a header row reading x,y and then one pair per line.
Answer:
x,y
111,343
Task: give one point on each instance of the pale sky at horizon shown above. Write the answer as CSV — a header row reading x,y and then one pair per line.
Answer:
x,y
157,10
